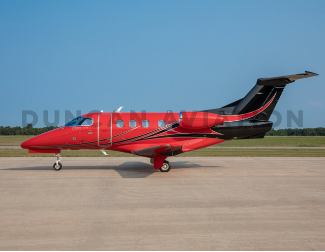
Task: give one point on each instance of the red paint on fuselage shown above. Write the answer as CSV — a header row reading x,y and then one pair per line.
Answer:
x,y
126,139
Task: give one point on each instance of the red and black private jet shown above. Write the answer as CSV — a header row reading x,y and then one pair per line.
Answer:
x,y
161,135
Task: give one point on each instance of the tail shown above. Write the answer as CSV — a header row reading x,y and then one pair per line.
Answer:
x,y
262,93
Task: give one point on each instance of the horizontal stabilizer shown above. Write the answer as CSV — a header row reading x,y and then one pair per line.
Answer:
x,y
283,80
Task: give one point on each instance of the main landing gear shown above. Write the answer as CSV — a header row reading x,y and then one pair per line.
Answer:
x,y
57,165
166,166
161,164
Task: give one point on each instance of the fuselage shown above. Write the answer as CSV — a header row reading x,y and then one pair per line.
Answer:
x,y
126,132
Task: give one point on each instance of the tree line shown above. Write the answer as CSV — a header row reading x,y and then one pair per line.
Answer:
x,y
297,132
29,130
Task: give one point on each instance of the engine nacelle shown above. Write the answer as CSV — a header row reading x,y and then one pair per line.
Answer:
x,y
199,120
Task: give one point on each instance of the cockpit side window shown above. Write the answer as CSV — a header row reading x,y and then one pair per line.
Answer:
x,y
80,121
85,122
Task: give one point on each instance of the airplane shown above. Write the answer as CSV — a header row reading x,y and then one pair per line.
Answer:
x,y
161,135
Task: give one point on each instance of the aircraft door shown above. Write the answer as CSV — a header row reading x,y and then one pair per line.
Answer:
x,y
104,130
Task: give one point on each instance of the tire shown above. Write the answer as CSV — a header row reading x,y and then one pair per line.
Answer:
x,y
166,167
57,167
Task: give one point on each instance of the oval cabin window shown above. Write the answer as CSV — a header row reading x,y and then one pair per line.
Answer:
x,y
161,123
119,123
133,123
145,123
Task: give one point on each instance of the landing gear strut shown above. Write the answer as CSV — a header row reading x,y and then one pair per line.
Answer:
x,y
57,165
166,166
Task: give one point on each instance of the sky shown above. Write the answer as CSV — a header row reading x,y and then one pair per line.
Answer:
x,y
157,56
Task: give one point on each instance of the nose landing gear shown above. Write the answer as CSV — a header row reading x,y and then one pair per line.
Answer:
x,y
57,165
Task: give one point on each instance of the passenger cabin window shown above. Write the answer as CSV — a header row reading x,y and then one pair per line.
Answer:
x,y
85,122
119,123
161,123
133,123
145,123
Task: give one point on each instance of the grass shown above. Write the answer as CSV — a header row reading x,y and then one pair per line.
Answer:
x,y
197,153
13,140
64,153
304,141
265,142
277,141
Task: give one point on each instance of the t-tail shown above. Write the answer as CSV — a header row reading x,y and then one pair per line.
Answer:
x,y
249,116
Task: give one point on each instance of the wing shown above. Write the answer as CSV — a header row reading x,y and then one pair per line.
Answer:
x,y
165,150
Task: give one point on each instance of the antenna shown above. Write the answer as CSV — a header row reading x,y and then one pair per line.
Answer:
x,y
119,109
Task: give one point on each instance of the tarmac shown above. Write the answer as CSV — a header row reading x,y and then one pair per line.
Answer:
x,y
203,203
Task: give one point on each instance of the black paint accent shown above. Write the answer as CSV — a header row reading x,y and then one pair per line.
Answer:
x,y
242,129
171,153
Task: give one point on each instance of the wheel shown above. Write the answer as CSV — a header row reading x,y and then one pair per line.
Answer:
x,y
57,167
166,167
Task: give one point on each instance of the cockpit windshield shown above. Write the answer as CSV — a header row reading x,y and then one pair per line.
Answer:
x,y
80,121
73,122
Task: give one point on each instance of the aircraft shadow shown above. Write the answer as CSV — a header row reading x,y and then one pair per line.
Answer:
x,y
134,169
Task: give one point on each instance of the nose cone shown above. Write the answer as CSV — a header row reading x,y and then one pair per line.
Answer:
x,y
26,144
32,142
